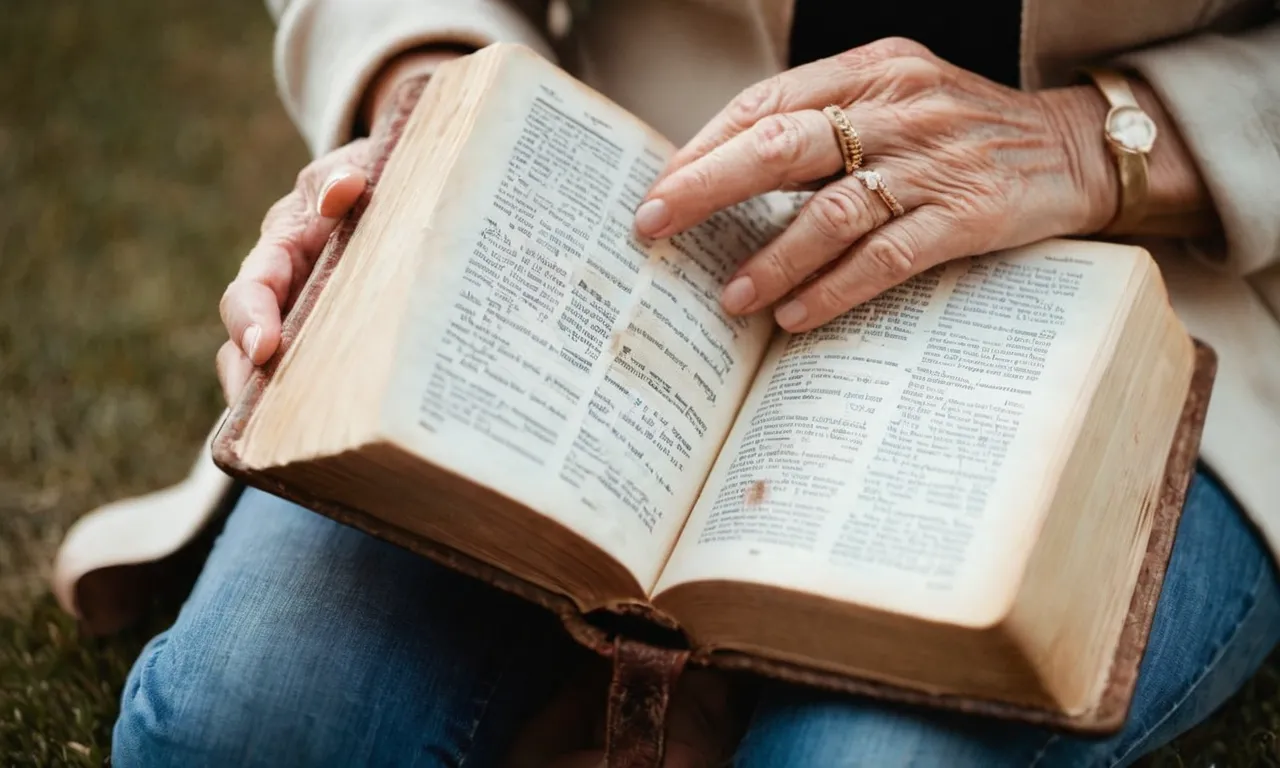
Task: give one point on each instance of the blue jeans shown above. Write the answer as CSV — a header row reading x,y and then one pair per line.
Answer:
x,y
308,643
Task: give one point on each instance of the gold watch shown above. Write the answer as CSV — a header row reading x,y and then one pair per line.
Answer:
x,y
1130,134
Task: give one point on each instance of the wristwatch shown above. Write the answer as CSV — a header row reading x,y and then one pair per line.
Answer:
x,y
1130,134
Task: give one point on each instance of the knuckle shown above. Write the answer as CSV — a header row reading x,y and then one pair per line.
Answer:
x,y
275,271
282,212
356,152
838,212
900,47
275,277
698,181
308,177
779,140
290,253
781,269
831,295
916,74
891,257
754,103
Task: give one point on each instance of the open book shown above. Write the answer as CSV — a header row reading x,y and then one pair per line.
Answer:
x,y
949,489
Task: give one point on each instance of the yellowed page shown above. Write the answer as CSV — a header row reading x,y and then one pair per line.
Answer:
x,y
902,456
552,356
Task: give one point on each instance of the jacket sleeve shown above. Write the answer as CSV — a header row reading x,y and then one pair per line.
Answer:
x,y
1223,93
327,51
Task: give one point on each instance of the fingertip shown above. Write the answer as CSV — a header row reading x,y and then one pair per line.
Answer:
x,y
249,341
259,342
653,218
792,316
340,192
739,295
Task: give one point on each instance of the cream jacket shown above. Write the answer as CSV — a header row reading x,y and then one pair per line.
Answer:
x,y
1214,63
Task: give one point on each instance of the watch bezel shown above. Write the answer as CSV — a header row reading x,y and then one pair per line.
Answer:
x,y
1115,142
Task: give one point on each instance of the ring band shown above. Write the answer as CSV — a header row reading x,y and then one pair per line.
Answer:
x,y
846,137
873,181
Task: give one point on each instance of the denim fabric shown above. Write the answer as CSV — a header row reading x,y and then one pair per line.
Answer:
x,y
307,643
1218,618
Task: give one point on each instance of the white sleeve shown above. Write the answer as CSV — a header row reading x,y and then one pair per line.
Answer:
x,y
327,51
1223,93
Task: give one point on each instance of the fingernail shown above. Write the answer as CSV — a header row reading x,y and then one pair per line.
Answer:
x,y
791,314
738,294
249,342
334,178
652,217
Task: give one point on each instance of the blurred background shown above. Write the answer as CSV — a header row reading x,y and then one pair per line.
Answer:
x,y
140,144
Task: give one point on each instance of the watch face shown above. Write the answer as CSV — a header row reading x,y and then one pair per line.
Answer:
x,y
1131,129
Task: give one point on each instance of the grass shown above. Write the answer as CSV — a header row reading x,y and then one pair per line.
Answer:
x,y
140,144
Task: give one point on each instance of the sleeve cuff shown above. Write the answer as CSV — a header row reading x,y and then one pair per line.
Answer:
x,y
327,51
1223,93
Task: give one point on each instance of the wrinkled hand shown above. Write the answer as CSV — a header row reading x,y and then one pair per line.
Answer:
x,y
293,234
976,166
298,225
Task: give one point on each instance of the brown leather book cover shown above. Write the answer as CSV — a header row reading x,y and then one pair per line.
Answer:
x,y
644,672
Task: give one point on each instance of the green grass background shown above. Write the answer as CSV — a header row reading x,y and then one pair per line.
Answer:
x,y
140,144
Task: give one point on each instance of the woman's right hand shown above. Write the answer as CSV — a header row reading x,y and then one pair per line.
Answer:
x,y
298,225
293,234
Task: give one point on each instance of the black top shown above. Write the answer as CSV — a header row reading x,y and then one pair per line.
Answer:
x,y
824,28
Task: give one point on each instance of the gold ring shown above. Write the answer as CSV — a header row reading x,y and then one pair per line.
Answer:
x,y
846,137
873,181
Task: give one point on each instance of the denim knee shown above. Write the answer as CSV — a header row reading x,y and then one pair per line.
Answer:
x,y
230,701
305,642
164,722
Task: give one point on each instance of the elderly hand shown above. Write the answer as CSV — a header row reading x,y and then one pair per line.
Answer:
x,y
293,234
295,230
975,166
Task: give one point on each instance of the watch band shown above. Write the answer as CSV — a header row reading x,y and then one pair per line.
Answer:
x,y
1131,164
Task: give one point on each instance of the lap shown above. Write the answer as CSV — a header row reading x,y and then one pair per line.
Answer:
x,y
307,642
1218,618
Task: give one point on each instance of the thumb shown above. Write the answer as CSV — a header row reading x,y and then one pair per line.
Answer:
x,y
340,191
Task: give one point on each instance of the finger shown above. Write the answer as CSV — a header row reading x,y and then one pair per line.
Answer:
x,y
841,79
884,258
786,150
323,193
834,218
252,305
293,234
233,371
251,314
331,184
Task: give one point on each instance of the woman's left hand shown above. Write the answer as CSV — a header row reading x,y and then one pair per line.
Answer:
x,y
975,166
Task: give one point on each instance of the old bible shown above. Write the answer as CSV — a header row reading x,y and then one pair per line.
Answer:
x,y
948,490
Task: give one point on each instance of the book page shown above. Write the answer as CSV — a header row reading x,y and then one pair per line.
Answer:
x,y
898,456
554,357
